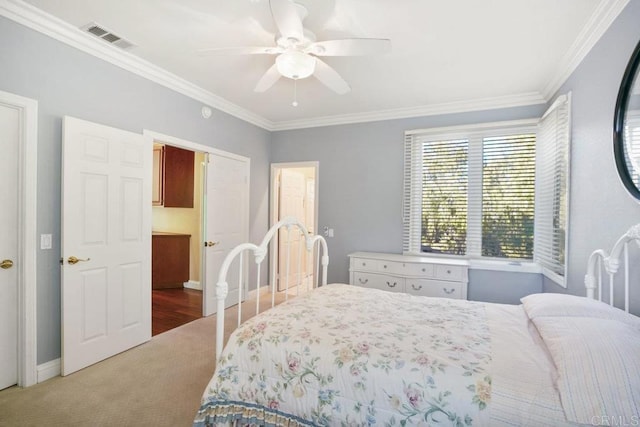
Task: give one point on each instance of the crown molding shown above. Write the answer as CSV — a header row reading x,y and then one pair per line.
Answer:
x,y
599,22
38,20
509,101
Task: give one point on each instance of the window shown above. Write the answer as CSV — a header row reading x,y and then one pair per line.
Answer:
x,y
552,178
470,191
481,191
632,139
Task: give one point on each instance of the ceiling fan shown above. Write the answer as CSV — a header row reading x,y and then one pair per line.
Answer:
x,y
298,51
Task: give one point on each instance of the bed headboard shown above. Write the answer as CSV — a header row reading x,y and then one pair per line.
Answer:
x,y
312,244
611,263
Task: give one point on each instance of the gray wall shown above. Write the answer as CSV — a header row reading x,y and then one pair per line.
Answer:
x,y
66,81
360,195
600,208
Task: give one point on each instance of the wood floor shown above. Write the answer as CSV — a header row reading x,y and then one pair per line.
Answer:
x,y
174,307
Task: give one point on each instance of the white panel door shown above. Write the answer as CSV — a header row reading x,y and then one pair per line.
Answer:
x,y
291,253
9,160
106,224
226,222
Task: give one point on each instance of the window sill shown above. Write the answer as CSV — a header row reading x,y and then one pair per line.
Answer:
x,y
555,277
514,266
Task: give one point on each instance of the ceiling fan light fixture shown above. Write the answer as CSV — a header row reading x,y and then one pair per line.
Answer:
x,y
295,64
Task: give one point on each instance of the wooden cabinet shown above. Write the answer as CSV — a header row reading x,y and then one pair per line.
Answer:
x,y
426,276
169,260
173,177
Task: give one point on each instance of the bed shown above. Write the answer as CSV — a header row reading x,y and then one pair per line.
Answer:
x,y
346,355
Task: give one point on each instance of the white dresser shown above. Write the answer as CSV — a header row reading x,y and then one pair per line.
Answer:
x,y
417,275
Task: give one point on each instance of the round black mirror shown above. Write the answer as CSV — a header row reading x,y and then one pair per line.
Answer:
x,y
626,126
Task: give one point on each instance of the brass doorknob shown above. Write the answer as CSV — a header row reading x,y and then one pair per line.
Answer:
x,y
210,244
73,260
6,263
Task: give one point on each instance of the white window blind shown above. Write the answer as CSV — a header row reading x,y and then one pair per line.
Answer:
x,y
632,142
552,170
508,192
470,190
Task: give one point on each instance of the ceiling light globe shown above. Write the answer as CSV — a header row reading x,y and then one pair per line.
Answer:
x,y
295,64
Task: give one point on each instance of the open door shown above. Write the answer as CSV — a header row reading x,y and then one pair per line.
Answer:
x,y
292,269
106,242
226,222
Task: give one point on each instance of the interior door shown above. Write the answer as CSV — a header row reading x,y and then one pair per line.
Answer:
x,y
9,136
106,242
292,195
226,223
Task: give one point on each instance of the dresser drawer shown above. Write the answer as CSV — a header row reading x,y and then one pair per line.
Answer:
x,y
378,281
364,264
449,272
405,268
433,288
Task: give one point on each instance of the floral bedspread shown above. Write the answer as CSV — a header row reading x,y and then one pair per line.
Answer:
x,y
346,355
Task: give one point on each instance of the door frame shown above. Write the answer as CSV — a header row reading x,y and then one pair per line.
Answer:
x,y
194,146
274,197
27,236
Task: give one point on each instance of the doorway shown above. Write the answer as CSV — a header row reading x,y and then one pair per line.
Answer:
x,y
294,190
18,131
223,198
177,221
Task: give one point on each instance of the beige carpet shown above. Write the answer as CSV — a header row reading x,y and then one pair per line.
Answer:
x,y
159,383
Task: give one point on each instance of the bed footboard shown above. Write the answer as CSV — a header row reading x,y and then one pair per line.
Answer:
x,y
313,245
611,263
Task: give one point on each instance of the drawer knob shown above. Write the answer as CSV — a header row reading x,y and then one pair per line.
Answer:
x,y
390,285
448,291
424,269
416,288
363,282
364,264
385,266
448,271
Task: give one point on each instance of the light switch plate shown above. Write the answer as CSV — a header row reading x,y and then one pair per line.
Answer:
x,y
45,241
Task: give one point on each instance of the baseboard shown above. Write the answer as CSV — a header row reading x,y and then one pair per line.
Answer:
x,y
254,293
192,284
48,370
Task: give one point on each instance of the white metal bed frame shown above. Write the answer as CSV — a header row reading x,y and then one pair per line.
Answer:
x,y
611,263
259,255
593,279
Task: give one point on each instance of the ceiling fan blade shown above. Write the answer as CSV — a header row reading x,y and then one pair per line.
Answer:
x,y
268,79
285,15
249,50
350,47
330,78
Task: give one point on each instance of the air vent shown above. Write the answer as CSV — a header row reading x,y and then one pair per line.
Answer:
x,y
106,35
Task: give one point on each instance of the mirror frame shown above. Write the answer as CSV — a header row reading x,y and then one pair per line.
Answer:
x,y
630,74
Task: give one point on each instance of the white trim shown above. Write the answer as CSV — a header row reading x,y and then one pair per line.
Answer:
x,y
599,22
48,370
498,265
510,101
263,290
554,277
43,22
27,241
38,20
471,129
193,284
194,146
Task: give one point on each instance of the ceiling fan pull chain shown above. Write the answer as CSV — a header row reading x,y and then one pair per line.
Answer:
x,y
295,93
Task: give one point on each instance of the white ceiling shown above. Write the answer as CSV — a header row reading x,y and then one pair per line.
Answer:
x,y
446,55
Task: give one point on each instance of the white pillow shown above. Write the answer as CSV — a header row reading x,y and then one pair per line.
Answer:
x,y
598,366
562,305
